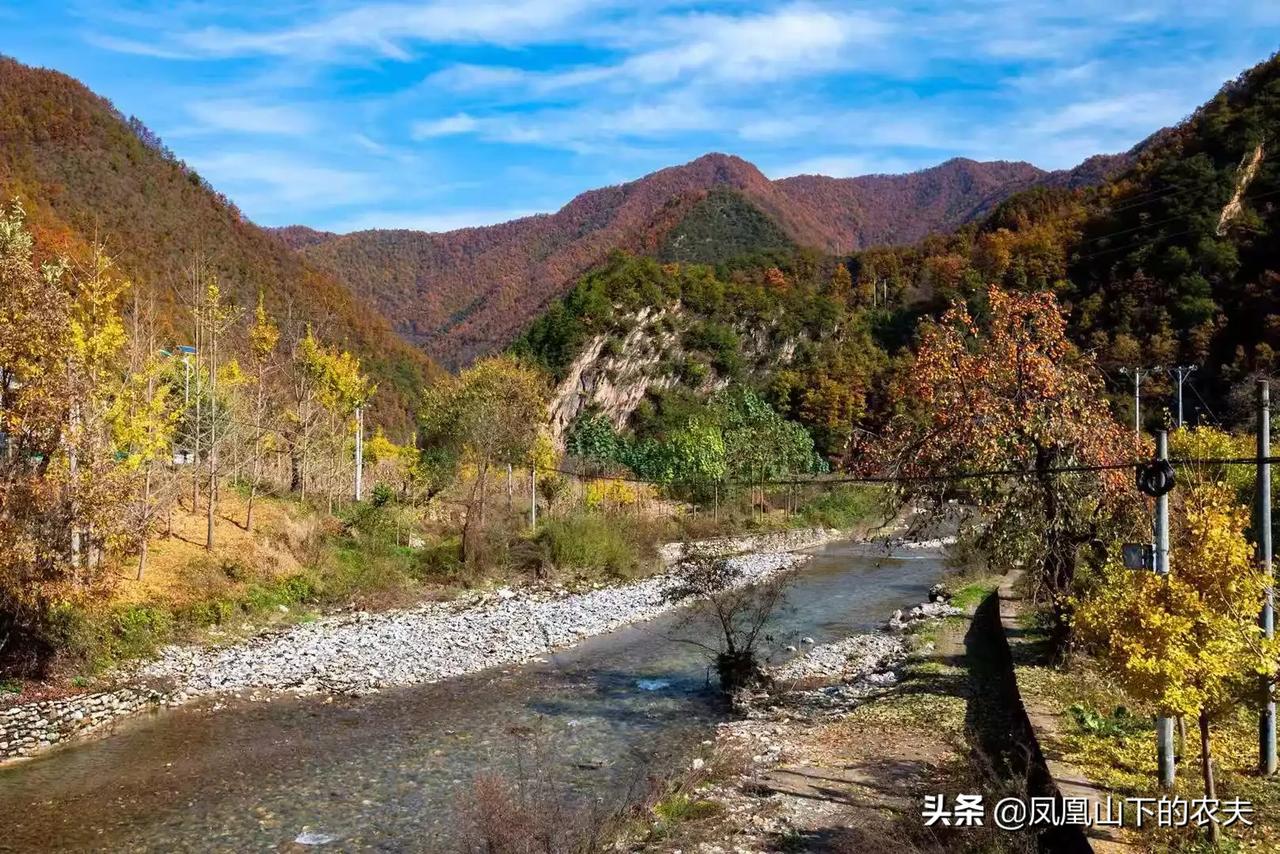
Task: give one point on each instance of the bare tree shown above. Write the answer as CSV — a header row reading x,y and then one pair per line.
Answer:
x,y
715,588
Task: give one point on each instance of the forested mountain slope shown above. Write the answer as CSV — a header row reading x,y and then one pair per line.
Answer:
x,y
85,172
468,292
1174,261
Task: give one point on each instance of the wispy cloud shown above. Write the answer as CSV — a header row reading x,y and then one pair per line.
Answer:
x,y
442,113
388,30
449,126
242,116
277,182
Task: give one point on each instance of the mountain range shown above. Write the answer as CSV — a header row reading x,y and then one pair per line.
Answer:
x,y
464,293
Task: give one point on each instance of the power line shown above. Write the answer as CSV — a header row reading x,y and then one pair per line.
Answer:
x,y
1140,241
927,478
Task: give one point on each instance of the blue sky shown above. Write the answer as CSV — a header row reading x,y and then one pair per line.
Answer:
x,y
448,113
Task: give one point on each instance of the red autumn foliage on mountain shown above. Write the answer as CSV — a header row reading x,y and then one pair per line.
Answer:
x,y
464,293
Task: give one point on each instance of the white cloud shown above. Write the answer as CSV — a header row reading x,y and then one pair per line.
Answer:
x,y
135,47
248,117
593,129
793,41
389,30
460,123
1133,111
470,78
369,144
276,184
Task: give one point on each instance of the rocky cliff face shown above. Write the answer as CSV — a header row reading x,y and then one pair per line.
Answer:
x,y
614,373
614,382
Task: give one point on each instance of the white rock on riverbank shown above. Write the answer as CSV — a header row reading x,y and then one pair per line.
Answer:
x,y
847,659
362,652
900,622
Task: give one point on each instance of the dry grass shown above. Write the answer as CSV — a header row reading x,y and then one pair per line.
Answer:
x,y
180,571
1121,758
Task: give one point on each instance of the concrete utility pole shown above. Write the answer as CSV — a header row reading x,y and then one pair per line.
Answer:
x,y
1137,374
1164,725
1267,719
359,452
1181,372
533,496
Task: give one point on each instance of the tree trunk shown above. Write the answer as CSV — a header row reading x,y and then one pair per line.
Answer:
x,y
212,497
1206,767
256,472
474,505
146,522
253,490
295,467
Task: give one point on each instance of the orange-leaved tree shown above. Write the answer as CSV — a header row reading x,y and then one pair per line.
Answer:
x,y
1010,392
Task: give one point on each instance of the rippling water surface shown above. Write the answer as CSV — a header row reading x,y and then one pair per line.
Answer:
x,y
384,771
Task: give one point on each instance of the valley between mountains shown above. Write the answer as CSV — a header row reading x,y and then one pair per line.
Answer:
x,y
710,512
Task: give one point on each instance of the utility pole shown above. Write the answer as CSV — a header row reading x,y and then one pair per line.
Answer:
x,y
1164,725
1137,374
533,495
1181,372
359,452
1267,719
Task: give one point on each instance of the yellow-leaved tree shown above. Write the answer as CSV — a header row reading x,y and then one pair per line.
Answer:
x,y
144,419
96,485
264,335
61,483
1188,642
489,414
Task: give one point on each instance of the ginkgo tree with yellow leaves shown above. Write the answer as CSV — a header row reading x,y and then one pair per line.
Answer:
x,y
1187,643
63,473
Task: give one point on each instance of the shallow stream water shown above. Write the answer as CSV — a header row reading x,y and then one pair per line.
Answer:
x,y
385,771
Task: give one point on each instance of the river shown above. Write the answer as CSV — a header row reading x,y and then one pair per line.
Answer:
x,y
387,771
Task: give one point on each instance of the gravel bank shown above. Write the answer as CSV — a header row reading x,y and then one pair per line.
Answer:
x,y
846,659
363,652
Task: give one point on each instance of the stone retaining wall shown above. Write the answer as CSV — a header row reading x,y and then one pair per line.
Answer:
x,y
1066,779
32,727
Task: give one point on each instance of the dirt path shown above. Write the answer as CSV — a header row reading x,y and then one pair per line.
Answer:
x,y
853,778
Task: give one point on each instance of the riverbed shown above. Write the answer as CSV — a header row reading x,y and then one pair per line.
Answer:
x,y
389,770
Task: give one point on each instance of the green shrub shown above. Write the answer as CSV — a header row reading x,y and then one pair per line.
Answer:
x,y
213,612
441,559
842,507
585,542
139,629
382,495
